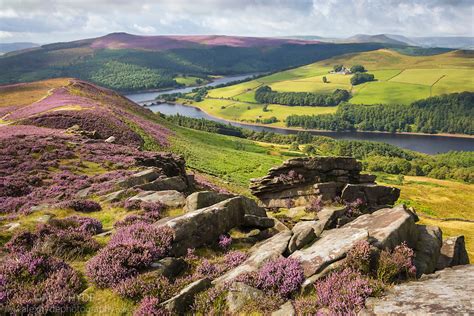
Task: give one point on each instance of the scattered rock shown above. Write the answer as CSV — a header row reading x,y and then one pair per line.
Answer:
x,y
329,215
203,226
427,249
286,309
44,218
110,140
239,295
180,303
142,177
11,226
271,248
169,198
303,234
388,227
446,292
106,233
115,196
453,253
371,194
83,193
203,199
308,284
258,222
173,183
170,266
332,246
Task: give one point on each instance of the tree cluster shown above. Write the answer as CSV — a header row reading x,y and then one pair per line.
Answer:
x,y
265,94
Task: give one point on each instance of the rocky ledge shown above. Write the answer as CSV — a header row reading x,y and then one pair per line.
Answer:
x,y
298,181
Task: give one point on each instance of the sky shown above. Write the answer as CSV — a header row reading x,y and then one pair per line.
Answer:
x,y
49,21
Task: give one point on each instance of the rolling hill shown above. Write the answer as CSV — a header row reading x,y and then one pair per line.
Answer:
x,y
400,79
128,62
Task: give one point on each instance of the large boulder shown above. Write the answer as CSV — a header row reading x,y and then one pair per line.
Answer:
x,y
304,233
427,249
269,249
203,199
446,292
180,303
169,266
172,183
388,227
138,178
329,215
332,246
286,309
453,253
169,198
371,194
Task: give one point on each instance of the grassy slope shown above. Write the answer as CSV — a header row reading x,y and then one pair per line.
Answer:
x,y
400,79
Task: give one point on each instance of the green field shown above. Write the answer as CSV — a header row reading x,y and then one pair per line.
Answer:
x,y
400,79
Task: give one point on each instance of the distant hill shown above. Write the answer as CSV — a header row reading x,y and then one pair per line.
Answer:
x,y
380,38
129,62
10,47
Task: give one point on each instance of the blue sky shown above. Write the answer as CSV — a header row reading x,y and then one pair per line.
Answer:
x,y
64,20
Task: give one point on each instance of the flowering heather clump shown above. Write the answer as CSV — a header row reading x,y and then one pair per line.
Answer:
x,y
67,238
38,284
359,257
343,292
265,305
234,258
83,206
210,302
281,276
225,241
132,205
315,204
147,284
149,217
150,306
208,269
206,185
291,176
152,207
396,264
355,208
191,255
307,306
130,250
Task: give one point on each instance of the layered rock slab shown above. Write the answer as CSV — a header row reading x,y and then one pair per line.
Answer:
x,y
332,246
446,292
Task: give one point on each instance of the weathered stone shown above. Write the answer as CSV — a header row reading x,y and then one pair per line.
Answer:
x,y
169,198
110,140
83,193
169,164
257,221
44,218
388,227
332,246
203,199
169,267
11,226
141,177
106,233
303,234
115,196
371,194
297,211
446,292
308,284
203,226
427,249
271,248
240,294
181,303
286,309
251,207
173,183
329,190
329,215
453,253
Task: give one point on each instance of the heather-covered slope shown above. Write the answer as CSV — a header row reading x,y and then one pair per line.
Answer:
x,y
128,62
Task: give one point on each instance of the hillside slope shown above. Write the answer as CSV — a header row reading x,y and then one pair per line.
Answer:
x,y
128,62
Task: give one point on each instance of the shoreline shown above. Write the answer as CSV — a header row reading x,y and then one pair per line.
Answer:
x,y
325,131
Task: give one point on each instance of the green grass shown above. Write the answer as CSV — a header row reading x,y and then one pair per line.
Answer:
x,y
188,80
400,79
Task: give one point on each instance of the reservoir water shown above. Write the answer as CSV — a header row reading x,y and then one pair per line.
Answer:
x,y
422,143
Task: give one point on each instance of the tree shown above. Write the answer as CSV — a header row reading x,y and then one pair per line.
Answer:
x,y
294,146
360,77
337,68
357,68
310,150
325,80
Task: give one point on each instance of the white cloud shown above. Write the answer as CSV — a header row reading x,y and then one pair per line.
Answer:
x,y
62,20
5,35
